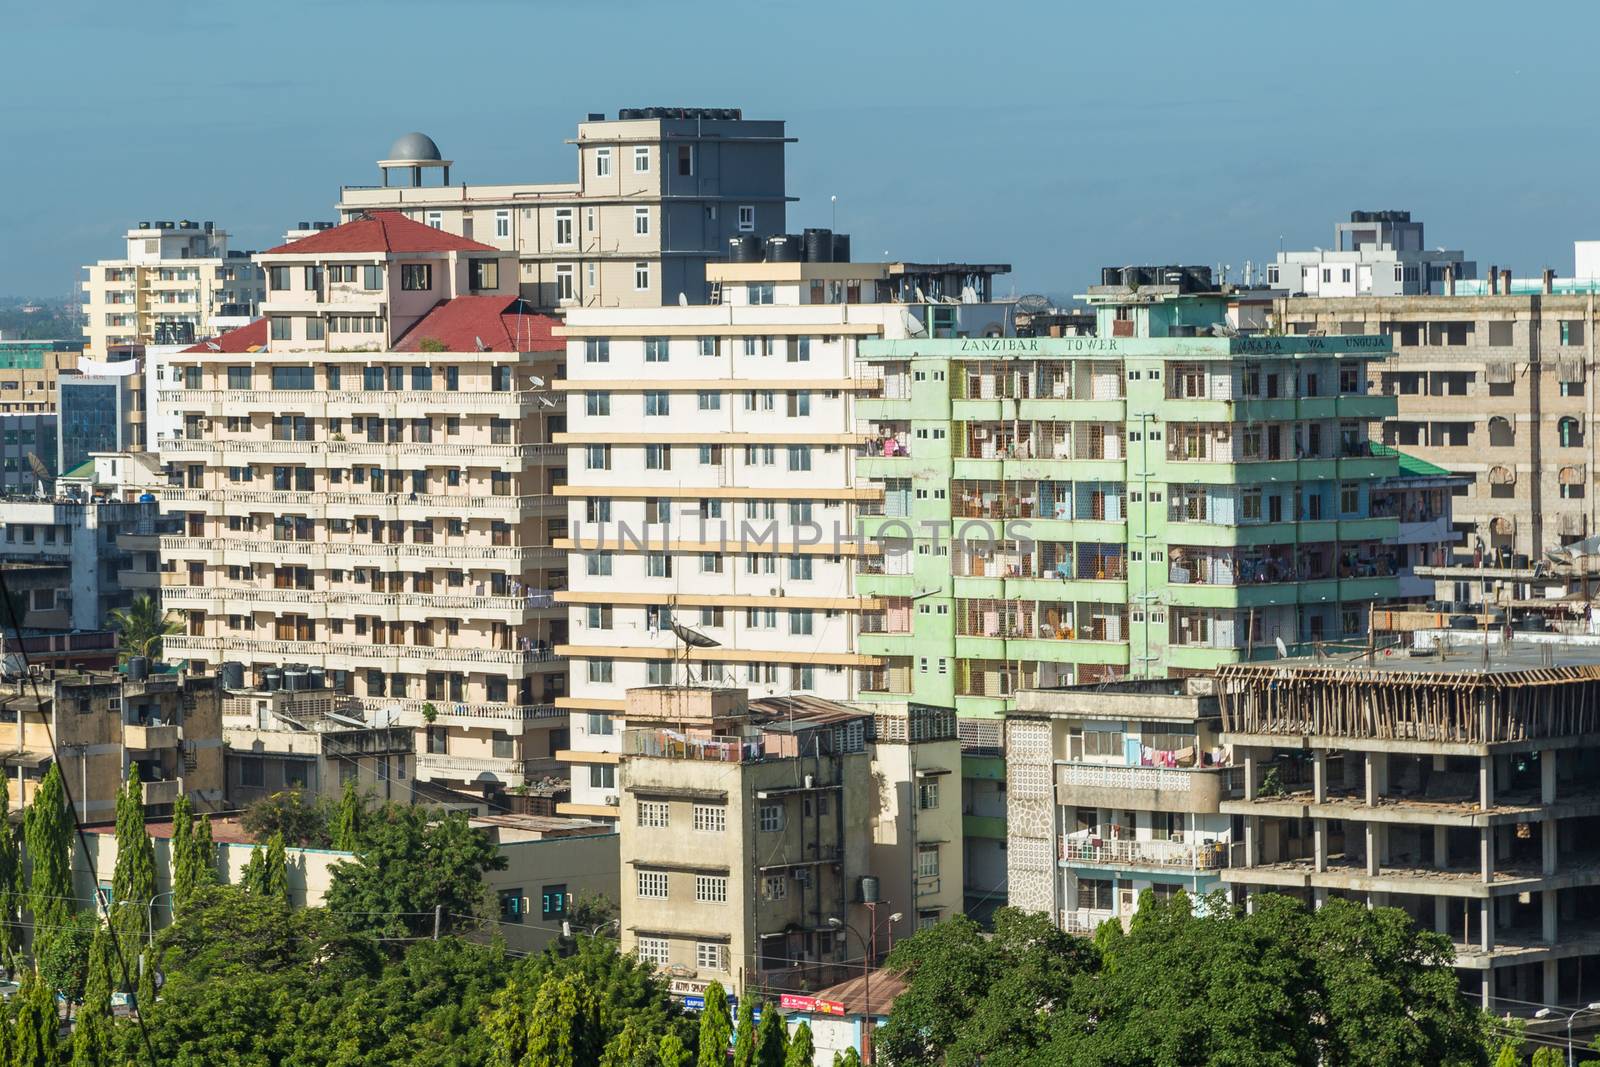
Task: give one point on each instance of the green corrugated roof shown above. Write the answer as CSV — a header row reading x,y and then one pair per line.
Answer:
x,y
1410,466
82,470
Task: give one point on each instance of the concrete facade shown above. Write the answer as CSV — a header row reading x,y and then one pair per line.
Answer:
x,y
655,201
28,373
1376,253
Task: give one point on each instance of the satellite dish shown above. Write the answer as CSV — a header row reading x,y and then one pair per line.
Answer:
x,y
537,382
213,346
1223,329
40,471
694,638
921,297
914,327
1033,303
479,342
545,401
683,300
1283,650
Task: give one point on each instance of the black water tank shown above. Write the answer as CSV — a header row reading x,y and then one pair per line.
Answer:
x,y
746,248
233,675
1110,275
271,679
819,246
138,668
1174,276
841,248
1199,279
318,677
295,679
1130,276
630,113
783,248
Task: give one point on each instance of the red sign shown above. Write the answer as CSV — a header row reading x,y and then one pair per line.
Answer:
x,y
794,1002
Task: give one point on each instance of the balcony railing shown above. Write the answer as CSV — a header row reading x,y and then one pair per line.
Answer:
x,y
673,744
509,554
185,645
442,503
1090,776
535,598
446,709
1099,851
1084,921
452,449
298,399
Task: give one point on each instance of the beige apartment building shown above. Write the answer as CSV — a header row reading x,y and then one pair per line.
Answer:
x,y
28,373
102,723
658,195
745,830
365,496
1499,385
174,280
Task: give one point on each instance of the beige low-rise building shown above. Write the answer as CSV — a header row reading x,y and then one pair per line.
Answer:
x,y
746,834
99,724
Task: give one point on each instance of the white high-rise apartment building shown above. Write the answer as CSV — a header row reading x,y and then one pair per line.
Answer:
x,y
711,482
175,281
365,496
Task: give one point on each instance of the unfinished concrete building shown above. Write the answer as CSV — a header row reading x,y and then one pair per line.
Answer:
x,y
1461,787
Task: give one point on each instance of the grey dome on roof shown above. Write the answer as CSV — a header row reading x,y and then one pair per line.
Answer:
x,y
414,146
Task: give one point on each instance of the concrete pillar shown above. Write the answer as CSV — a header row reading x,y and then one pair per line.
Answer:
x,y
1486,854
1249,755
1486,987
1373,844
1441,916
1252,847
1319,843
1547,841
1319,897
1552,982
1486,782
1373,786
1547,901
1319,776
1441,847
1486,925
1547,779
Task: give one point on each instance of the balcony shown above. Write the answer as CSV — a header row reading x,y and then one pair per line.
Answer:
x,y
418,506
350,553
508,771
352,401
353,656
1090,850
456,711
179,597
150,738
166,792
1084,921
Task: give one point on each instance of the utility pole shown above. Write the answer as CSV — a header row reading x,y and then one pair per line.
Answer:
x,y
438,919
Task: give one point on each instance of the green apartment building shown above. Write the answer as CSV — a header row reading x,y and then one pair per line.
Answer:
x,y
1153,501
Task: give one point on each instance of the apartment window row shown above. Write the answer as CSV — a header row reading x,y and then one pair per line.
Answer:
x,y
800,679
708,888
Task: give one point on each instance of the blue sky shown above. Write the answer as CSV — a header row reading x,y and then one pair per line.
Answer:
x,y
1054,136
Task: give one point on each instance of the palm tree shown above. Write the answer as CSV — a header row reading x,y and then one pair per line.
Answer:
x,y
140,628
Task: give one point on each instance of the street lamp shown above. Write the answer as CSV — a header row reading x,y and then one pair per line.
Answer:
x,y
594,931
868,1049
1556,1013
150,917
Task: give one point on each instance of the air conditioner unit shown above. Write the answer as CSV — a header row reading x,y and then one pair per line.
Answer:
x,y
204,424
802,875
611,800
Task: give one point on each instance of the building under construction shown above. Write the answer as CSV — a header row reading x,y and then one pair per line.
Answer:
x,y
1461,784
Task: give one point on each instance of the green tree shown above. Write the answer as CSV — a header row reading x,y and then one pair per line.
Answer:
x,y
560,1028
205,859
276,875
182,854
303,821
802,1049
63,960
47,832
11,896
409,865
848,1058
352,818
253,879
633,1046
141,626
744,1040
716,1028
1510,1055
591,911
36,1039
672,1052
1548,1057
772,1038
92,1039
133,881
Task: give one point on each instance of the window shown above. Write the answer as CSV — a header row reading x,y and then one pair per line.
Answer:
x,y
485,274
597,404
502,223
686,160
747,218
314,328
657,403
597,457
927,861
563,227
800,622
1572,331
771,818
641,276
798,404
800,350
371,276
278,278
602,776
293,378
597,350
641,159
599,619
655,349
641,221
928,794
709,401
564,285
598,564
774,886
800,569
652,950
600,671
759,294
799,457
710,818
511,906
658,565
653,885
238,377
653,814
553,902
416,277
435,219
710,956
708,346
711,888
280,327
658,457
602,162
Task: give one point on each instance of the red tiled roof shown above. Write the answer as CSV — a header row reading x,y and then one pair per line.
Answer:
x,y
225,830
249,338
503,323
381,231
